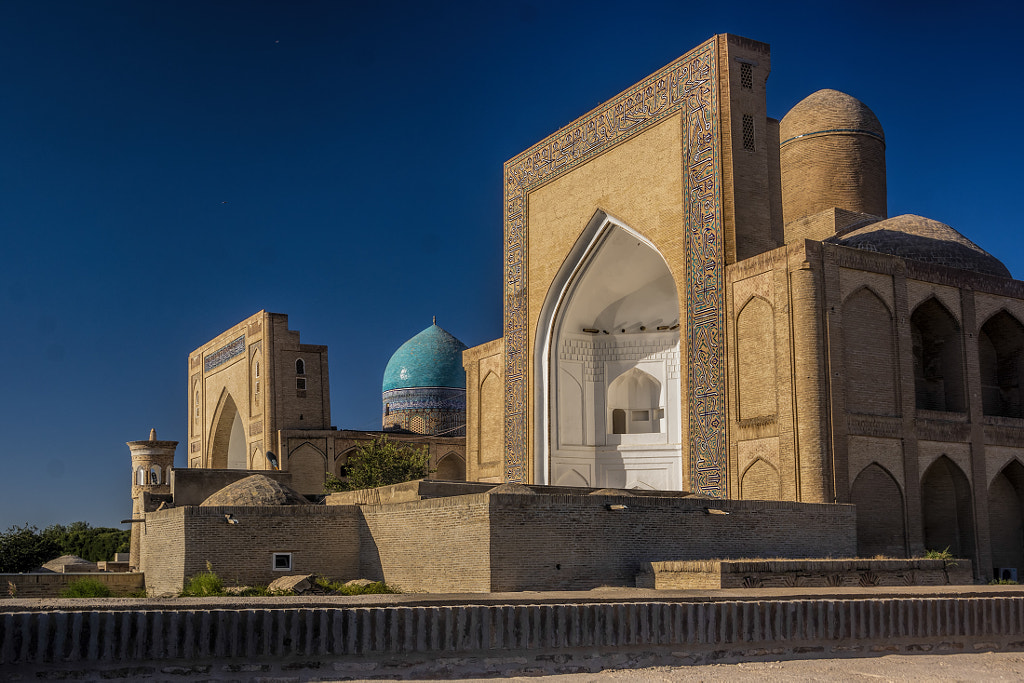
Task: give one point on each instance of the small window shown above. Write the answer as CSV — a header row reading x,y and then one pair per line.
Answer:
x,y
282,562
300,367
746,76
300,383
154,475
748,132
387,409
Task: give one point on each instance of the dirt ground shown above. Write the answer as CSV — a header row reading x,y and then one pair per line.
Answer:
x,y
974,667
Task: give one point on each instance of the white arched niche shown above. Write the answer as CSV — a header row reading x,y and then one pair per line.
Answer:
x,y
607,390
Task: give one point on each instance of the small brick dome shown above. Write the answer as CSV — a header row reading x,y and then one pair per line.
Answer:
x,y
256,490
832,154
922,239
828,111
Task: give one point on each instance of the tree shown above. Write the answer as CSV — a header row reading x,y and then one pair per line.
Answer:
x,y
23,549
381,462
88,542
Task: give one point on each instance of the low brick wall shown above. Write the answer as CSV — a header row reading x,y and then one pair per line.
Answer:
x,y
491,640
51,585
797,573
178,543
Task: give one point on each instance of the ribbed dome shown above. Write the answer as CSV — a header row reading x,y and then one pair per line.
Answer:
x,y
256,490
922,239
829,111
433,358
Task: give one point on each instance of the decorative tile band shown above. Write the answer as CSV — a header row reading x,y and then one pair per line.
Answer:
x,y
224,354
705,299
689,84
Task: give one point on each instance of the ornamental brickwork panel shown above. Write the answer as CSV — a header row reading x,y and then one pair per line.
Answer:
x,y
688,85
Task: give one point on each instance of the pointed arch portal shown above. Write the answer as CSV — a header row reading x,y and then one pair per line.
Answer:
x,y
607,396
227,444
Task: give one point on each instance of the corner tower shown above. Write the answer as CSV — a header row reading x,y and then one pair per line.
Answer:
x,y
152,461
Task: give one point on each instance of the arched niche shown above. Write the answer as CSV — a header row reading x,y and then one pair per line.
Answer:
x,y
492,420
1006,519
869,355
227,442
938,358
946,509
755,359
611,315
308,466
881,525
760,481
451,467
1000,349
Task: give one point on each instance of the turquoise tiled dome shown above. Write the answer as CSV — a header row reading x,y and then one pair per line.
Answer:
x,y
433,358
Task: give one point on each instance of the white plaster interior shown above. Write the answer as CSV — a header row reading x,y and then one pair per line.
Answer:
x,y
236,444
609,386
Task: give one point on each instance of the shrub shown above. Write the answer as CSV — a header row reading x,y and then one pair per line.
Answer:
x,y
86,588
938,554
203,585
1002,582
341,589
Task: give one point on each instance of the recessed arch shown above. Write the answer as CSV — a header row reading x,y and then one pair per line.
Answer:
x,y
869,354
613,306
1006,519
947,509
938,358
755,359
760,481
451,467
227,441
881,518
1001,361
308,465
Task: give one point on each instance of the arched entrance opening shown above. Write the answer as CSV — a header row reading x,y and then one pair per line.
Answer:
x,y
947,510
607,373
881,529
227,444
1006,520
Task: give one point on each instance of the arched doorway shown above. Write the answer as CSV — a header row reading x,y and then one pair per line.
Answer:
x,y
607,372
946,509
227,443
881,529
1006,519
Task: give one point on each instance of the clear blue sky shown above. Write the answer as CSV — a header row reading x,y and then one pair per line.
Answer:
x,y
169,168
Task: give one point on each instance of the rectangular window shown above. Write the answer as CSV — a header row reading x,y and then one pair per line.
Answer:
x,y
746,76
748,132
300,383
282,562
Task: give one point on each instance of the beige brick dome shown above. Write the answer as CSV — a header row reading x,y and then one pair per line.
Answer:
x,y
832,155
257,490
828,111
922,239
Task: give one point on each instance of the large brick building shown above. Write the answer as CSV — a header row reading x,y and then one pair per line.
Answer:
x,y
700,297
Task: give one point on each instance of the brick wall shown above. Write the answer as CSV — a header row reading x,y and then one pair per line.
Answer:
x,y
51,585
575,542
179,543
436,545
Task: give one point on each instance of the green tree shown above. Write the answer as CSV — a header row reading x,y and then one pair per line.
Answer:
x,y
22,549
381,462
89,543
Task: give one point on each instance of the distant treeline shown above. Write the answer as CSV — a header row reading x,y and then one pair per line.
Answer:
x,y
24,548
